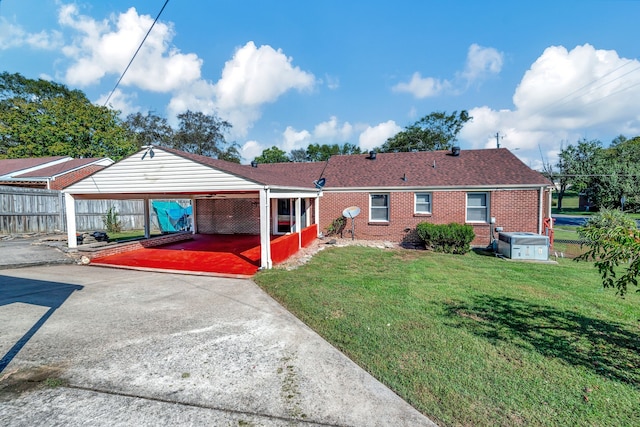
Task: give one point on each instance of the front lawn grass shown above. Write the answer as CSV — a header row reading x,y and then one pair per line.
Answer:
x,y
474,340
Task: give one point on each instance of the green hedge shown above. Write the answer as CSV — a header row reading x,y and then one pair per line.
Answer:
x,y
449,238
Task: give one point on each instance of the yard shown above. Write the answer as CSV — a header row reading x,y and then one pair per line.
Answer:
x,y
474,340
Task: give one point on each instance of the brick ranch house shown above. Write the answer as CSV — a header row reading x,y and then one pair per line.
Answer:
x,y
394,191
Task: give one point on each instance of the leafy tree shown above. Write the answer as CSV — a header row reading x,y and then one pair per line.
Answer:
x,y
298,155
614,244
149,129
272,155
603,175
624,157
41,118
436,131
203,134
575,165
321,153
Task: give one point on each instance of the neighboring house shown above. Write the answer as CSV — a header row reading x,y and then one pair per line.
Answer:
x,y
394,191
51,173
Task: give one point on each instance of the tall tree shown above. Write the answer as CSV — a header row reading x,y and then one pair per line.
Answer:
x,y
614,245
321,153
149,129
603,175
436,131
41,118
298,155
203,134
272,155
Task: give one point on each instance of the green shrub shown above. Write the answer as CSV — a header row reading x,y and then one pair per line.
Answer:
x,y
337,226
111,222
449,238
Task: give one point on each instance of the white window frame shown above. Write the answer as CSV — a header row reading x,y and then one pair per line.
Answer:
x,y
415,203
485,208
371,208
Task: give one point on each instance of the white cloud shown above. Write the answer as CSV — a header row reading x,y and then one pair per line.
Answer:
x,y
15,36
422,87
250,150
374,136
106,47
295,139
255,76
481,62
564,96
123,102
333,83
332,131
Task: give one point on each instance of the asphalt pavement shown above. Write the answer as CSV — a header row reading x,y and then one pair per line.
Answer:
x,y
82,345
24,251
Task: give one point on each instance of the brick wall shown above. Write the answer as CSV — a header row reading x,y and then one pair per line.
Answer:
x,y
119,248
72,177
514,210
228,216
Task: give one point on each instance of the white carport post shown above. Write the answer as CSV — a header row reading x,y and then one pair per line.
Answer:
x,y
299,225
147,218
70,207
265,229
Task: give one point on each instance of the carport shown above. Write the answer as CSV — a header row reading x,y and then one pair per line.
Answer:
x,y
279,208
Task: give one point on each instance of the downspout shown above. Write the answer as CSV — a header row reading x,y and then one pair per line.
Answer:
x,y
540,210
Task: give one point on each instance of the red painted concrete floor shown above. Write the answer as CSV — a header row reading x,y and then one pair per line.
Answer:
x,y
225,255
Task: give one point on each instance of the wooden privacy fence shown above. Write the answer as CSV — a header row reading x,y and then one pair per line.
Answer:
x,y
30,210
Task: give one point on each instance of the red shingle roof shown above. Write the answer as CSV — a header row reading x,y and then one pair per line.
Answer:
x,y
278,174
8,166
58,169
472,168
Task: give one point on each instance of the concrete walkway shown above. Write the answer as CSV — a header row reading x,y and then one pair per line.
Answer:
x,y
93,346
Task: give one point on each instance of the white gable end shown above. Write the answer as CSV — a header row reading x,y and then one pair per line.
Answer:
x,y
163,173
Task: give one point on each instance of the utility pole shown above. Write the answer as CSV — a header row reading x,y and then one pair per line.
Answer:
x,y
498,139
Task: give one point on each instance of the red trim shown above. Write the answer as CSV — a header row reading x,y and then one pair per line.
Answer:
x,y
284,247
309,234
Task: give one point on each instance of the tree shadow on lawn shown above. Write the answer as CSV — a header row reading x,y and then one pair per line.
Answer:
x,y
609,349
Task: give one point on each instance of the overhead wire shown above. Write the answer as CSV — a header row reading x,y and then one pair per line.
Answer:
x,y
135,54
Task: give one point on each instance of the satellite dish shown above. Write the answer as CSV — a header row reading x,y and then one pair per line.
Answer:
x,y
320,183
351,212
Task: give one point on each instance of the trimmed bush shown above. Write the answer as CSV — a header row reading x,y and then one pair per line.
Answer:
x,y
449,238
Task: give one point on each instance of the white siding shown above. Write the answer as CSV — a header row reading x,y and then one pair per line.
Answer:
x,y
162,173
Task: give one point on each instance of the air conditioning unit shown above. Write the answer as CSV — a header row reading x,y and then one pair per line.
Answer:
x,y
519,245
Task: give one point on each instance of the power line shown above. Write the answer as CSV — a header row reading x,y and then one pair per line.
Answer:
x,y
135,54
552,104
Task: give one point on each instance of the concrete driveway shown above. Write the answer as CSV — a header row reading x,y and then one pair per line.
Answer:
x,y
92,346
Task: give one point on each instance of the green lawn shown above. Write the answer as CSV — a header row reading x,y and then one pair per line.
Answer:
x,y
475,340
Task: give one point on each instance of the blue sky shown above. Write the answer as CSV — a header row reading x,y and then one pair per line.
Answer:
x,y
290,73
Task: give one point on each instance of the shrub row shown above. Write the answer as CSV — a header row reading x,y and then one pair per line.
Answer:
x,y
449,238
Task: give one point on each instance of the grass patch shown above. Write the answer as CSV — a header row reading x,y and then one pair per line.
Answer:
x,y
475,340
129,235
